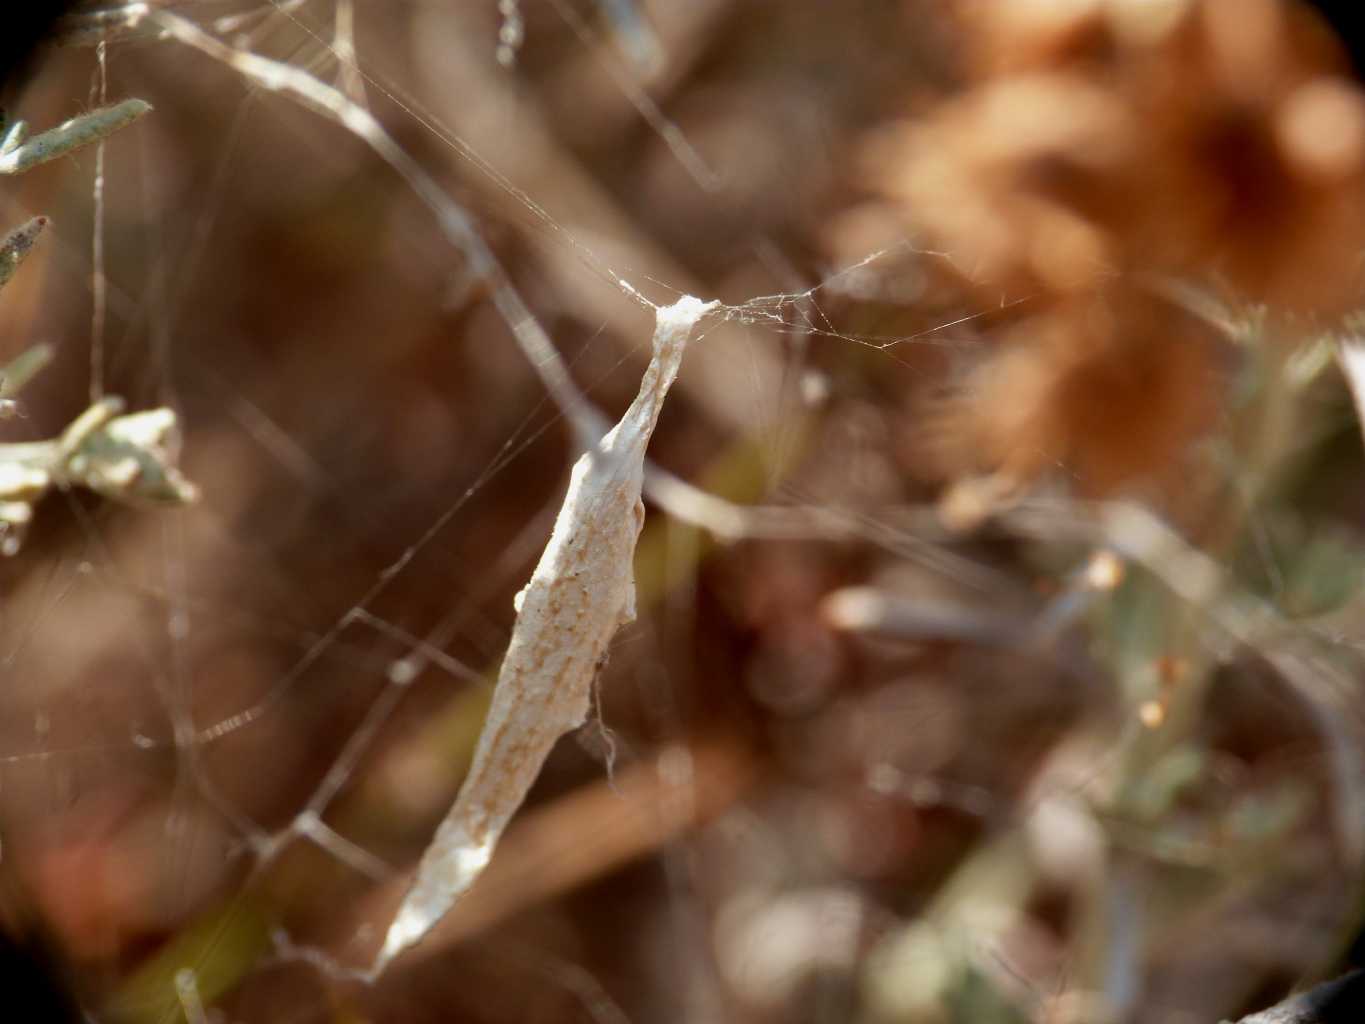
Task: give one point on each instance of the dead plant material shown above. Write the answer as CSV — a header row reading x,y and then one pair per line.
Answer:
x,y
595,830
1103,145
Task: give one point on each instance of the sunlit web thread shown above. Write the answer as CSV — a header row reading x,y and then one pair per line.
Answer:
x,y
509,451
414,109
666,129
760,311
754,309
187,765
324,645
236,22
768,309
308,823
517,442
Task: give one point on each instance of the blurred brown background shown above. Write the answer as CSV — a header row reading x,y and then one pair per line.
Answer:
x,y
1019,774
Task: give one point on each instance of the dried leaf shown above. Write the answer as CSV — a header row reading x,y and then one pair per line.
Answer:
x,y
581,592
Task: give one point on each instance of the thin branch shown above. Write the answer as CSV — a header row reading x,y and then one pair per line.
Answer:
x,y
454,222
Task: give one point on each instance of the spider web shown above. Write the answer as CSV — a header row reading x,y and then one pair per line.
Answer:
x,y
207,669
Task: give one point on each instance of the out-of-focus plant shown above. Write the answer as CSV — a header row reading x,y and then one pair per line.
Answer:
x,y
1103,157
128,457
1165,203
